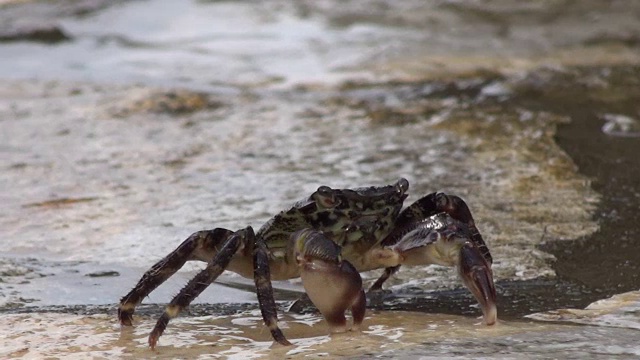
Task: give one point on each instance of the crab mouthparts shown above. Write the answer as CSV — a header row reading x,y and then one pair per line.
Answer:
x,y
477,276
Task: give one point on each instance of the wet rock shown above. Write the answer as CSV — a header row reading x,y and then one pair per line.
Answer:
x,y
621,125
584,94
60,202
38,21
49,34
43,9
103,274
617,311
172,102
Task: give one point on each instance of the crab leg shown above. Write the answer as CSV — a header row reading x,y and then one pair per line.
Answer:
x,y
201,242
200,282
388,272
262,278
333,285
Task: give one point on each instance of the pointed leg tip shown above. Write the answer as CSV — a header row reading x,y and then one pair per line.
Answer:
x,y
284,342
153,340
158,330
279,337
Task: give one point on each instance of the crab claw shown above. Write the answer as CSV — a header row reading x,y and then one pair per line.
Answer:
x,y
332,284
477,276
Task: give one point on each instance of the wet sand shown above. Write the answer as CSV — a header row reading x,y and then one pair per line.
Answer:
x,y
385,334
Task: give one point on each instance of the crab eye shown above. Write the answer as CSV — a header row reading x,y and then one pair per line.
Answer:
x,y
402,185
326,197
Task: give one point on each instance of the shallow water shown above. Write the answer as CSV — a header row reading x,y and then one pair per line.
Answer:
x,y
611,333
121,141
243,335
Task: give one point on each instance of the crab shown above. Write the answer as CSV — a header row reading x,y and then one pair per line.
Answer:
x,y
327,239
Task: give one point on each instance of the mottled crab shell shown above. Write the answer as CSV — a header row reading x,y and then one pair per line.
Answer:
x,y
346,216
